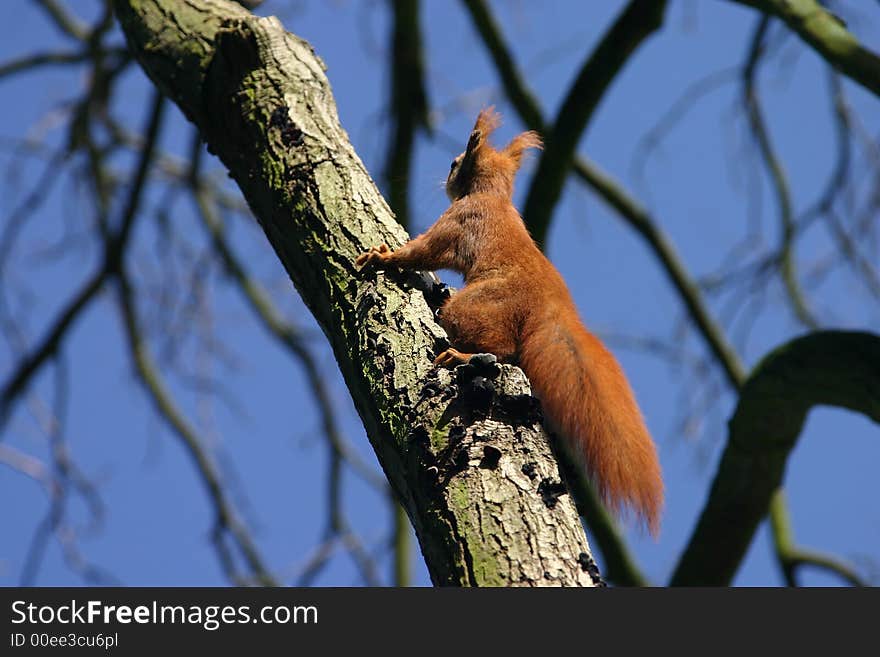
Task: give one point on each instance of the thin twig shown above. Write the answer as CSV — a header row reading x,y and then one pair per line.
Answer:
x,y
167,410
791,558
28,63
64,20
778,178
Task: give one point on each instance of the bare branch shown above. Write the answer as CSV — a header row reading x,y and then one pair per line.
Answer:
x,y
285,333
30,364
828,36
409,104
28,63
18,381
63,19
639,20
401,545
836,368
791,558
227,520
778,178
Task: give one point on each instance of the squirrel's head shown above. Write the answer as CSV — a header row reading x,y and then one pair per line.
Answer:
x,y
483,168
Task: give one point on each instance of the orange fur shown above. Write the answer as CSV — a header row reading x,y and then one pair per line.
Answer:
x,y
516,305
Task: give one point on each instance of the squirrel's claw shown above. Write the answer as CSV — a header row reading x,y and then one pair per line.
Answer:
x,y
376,254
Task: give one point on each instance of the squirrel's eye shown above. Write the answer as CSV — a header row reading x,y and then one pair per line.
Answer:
x,y
452,166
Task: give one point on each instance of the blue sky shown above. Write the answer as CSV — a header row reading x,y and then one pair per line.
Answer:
x,y
699,184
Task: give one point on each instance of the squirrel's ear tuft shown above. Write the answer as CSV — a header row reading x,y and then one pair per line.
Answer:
x,y
487,120
520,143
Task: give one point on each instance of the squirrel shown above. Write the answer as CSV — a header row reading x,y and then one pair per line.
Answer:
x,y
515,305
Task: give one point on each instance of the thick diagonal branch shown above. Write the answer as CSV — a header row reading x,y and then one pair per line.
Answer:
x,y
476,474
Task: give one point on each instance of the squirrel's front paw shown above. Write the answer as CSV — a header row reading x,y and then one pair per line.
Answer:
x,y
376,255
451,358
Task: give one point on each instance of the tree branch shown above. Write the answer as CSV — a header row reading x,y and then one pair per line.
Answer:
x,y
828,36
409,103
147,373
287,335
480,484
778,178
835,368
64,21
638,21
37,60
30,363
791,557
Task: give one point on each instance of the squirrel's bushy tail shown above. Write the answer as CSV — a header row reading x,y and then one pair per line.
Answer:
x,y
587,399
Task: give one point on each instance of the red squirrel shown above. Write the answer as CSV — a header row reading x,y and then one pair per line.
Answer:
x,y
516,305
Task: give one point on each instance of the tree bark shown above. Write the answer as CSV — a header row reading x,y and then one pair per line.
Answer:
x,y
464,450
